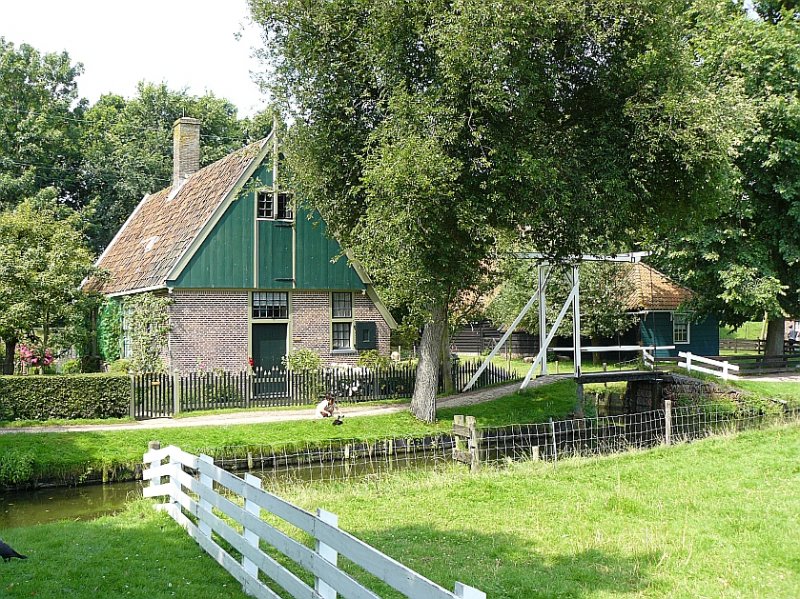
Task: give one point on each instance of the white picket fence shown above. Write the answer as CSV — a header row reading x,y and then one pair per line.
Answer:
x,y
189,488
722,369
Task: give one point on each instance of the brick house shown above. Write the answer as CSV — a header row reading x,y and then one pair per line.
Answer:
x,y
249,275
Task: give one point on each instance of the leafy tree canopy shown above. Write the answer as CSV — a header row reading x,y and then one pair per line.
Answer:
x,y
422,128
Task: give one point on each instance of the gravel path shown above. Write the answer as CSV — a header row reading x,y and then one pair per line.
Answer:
x,y
234,418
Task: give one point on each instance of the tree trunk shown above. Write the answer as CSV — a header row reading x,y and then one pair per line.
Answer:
x,y
8,363
447,363
423,402
776,329
597,359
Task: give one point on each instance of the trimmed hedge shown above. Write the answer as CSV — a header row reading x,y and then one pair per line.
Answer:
x,y
34,397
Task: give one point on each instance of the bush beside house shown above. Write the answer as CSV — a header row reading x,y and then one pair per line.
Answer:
x,y
35,397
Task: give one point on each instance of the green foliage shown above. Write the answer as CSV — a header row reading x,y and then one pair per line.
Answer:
x,y
744,262
605,288
71,367
34,397
40,112
302,359
127,147
43,259
371,358
109,330
147,324
120,366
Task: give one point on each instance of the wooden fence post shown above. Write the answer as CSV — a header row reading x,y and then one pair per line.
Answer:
x,y
249,535
688,361
474,443
668,422
208,482
324,590
152,446
462,591
133,396
176,393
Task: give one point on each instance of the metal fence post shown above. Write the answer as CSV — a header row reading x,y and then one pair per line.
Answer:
x,y
668,422
324,590
553,434
133,396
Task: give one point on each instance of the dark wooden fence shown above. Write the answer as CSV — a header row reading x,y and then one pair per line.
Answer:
x,y
158,395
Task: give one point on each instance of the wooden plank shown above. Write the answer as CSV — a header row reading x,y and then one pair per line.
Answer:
x,y
156,455
291,548
464,592
157,490
249,535
461,431
283,577
328,554
252,587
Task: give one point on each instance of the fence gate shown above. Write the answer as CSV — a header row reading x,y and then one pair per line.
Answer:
x,y
152,396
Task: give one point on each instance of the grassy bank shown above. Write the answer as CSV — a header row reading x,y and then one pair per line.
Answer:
x,y
717,518
72,456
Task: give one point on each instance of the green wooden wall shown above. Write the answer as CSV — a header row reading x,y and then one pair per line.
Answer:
x,y
656,328
289,255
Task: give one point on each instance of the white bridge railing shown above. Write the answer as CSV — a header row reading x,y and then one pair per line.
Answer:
x,y
700,364
194,495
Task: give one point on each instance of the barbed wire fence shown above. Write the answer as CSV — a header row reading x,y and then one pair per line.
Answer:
x,y
345,459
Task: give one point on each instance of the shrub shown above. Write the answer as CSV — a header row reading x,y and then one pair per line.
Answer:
x,y
34,397
372,359
121,366
71,367
302,359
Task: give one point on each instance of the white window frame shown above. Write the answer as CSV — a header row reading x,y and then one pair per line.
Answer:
x,y
349,320
679,320
272,196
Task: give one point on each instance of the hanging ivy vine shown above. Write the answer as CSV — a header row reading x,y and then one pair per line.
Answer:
x,y
109,330
147,326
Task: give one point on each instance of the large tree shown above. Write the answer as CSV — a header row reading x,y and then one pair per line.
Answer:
x,y
127,147
39,124
422,127
745,263
43,259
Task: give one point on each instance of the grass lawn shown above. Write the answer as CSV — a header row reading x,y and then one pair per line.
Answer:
x,y
67,456
717,518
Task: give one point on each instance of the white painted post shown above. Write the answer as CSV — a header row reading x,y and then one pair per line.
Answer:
x,y
725,370
176,393
152,446
249,535
668,422
576,319
688,361
462,591
208,482
542,282
324,590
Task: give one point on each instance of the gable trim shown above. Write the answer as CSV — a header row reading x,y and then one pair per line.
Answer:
x,y
384,311
218,212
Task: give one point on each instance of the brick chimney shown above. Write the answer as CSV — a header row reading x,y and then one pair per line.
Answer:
x,y
185,148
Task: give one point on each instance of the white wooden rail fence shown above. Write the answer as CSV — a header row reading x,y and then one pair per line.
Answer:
x,y
700,364
195,495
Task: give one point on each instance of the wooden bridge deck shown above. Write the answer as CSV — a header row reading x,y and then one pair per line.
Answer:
x,y
620,375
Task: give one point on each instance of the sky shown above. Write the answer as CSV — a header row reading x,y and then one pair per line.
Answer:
x,y
185,43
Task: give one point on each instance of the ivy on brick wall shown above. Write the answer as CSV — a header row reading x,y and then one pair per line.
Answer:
x,y
109,330
147,326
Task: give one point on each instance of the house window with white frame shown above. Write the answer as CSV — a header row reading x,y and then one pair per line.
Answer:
x,y
341,321
270,305
680,328
274,206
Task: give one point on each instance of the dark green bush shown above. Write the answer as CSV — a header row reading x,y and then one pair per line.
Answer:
x,y
33,397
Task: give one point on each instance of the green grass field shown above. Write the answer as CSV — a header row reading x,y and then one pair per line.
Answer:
x,y
70,455
717,518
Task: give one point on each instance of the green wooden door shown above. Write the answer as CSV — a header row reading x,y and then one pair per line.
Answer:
x,y
269,346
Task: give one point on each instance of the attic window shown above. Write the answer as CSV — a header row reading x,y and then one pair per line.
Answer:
x,y
274,206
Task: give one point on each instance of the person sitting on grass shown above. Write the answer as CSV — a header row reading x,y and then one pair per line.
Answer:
x,y
326,407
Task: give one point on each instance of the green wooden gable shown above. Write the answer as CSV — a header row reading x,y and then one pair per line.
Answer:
x,y
244,252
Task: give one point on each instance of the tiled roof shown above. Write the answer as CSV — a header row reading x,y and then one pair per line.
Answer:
x,y
164,224
653,290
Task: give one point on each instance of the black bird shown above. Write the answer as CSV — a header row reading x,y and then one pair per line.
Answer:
x,y
338,420
7,552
